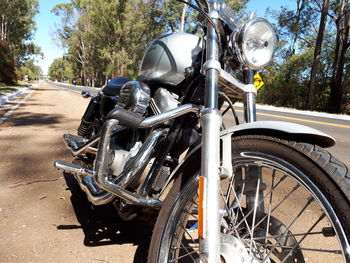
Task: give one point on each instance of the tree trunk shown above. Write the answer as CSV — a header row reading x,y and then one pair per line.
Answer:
x,y
311,95
300,7
341,46
183,17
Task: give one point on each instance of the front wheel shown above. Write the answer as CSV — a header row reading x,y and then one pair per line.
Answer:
x,y
286,202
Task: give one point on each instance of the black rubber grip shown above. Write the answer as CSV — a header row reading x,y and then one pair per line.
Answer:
x,y
126,118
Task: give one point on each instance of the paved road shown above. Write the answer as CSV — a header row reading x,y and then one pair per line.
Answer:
x,y
336,127
76,89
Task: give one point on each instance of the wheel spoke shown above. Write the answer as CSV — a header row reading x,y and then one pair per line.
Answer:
x,y
187,233
254,215
334,251
270,203
241,210
186,255
289,235
279,204
290,225
251,211
302,239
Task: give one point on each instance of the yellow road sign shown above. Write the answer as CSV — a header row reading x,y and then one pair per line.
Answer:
x,y
258,82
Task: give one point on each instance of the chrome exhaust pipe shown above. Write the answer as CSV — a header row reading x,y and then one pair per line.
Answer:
x,y
111,192
117,188
73,168
86,183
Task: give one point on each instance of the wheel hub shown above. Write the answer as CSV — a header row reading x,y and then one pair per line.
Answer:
x,y
232,250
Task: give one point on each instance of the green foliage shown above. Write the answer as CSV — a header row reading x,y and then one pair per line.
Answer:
x,y
287,80
17,26
30,71
7,65
287,84
61,70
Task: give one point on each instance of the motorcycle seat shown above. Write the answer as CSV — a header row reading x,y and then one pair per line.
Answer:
x,y
113,87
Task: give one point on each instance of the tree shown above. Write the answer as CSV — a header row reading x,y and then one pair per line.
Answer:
x,y
61,70
30,70
17,26
294,26
341,18
315,66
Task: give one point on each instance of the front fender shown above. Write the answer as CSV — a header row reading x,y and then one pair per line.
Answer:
x,y
283,130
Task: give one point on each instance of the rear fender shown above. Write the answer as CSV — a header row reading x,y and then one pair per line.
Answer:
x,y
283,130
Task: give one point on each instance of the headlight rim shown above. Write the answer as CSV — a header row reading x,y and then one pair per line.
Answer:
x,y
237,38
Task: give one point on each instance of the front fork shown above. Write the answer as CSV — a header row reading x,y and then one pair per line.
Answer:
x,y
209,181
211,121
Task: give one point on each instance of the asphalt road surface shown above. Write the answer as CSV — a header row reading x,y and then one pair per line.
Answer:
x,y
44,217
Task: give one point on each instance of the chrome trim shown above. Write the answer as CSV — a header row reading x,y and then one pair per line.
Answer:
x,y
168,115
86,94
101,166
135,96
238,42
249,107
233,87
71,141
226,169
211,121
96,198
212,64
73,168
111,189
100,175
134,166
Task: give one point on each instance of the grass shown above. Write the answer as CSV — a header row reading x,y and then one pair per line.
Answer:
x,y
6,89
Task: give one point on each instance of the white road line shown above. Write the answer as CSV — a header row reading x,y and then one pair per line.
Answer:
x,y
299,112
76,91
8,113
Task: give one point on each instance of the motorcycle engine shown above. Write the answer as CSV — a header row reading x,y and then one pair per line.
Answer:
x,y
135,96
164,100
119,157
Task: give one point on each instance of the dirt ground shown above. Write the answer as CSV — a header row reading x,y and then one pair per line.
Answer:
x,y
44,217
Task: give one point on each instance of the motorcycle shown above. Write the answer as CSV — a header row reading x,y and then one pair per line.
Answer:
x,y
260,191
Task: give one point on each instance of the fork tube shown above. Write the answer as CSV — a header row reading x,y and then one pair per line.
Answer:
x,y
249,98
211,120
253,197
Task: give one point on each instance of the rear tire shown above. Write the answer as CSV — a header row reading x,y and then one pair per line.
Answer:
x,y
322,193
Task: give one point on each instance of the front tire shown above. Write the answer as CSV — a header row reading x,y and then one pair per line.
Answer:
x,y
306,208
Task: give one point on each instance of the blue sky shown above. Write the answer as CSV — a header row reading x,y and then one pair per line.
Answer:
x,y
46,22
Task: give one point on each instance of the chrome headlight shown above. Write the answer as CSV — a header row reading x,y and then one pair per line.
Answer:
x,y
255,43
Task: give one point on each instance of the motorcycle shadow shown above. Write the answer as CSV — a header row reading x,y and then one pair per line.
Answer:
x,y
102,226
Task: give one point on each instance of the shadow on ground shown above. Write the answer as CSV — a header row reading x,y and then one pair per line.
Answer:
x,y
34,119
102,226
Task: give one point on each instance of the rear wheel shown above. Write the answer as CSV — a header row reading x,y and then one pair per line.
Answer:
x,y
302,216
